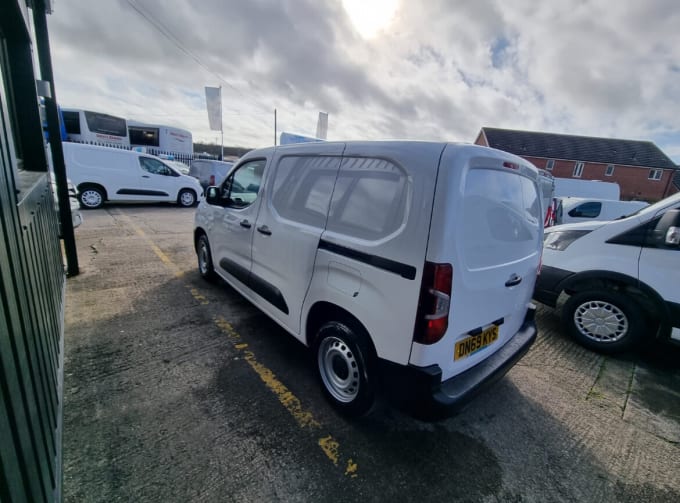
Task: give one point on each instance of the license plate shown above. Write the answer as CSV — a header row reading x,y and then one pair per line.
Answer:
x,y
474,343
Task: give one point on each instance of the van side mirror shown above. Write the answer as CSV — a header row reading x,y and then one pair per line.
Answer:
x,y
673,236
668,229
212,195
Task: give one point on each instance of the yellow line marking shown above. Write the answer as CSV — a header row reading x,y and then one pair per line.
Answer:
x,y
305,419
159,253
330,447
352,468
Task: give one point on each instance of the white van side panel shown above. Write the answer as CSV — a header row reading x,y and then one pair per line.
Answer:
x,y
378,278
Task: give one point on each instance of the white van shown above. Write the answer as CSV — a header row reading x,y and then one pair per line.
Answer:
x,y
110,174
405,263
622,276
577,209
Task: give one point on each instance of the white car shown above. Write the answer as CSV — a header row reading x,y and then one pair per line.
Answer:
x,y
76,216
622,277
407,262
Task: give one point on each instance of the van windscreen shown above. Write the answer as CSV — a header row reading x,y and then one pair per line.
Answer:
x,y
502,217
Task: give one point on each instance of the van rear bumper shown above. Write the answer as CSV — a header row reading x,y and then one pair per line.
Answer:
x,y
422,390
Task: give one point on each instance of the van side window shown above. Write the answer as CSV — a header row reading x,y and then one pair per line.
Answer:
x,y
590,209
369,200
302,188
155,167
240,189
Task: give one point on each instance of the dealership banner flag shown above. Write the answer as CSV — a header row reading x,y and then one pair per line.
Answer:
x,y
213,101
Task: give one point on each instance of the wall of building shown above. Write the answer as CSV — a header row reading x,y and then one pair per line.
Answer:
x,y
32,281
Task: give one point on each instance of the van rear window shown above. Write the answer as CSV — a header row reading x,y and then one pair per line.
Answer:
x,y
502,218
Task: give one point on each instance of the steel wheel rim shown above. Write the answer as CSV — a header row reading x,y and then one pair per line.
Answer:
x,y
601,321
203,257
91,198
186,198
339,369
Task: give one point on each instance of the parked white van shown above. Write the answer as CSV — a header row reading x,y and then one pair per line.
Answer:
x,y
577,209
622,277
409,264
110,174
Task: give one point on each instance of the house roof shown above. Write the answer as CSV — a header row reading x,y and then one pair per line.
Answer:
x,y
578,148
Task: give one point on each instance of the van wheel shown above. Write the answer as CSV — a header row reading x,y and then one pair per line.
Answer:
x,y
606,321
91,198
345,368
205,263
186,198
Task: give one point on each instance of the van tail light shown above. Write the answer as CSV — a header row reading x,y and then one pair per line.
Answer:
x,y
212,180
434,303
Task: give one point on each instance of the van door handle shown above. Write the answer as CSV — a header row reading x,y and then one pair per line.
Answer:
x,y
263,229
145,176
514,280
245,223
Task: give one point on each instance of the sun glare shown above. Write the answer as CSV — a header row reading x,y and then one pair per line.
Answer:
x,y
370,17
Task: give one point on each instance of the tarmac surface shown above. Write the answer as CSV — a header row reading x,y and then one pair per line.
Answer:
x,y
179,390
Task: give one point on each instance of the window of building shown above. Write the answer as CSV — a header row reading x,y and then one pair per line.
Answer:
x,y
655,174
71,122
550,164
143,136
578,170
610,170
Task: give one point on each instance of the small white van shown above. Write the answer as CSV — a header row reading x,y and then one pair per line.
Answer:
x,y
577,209
110,174
622,277
404,264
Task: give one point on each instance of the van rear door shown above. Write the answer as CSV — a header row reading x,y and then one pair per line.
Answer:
x,y
488,224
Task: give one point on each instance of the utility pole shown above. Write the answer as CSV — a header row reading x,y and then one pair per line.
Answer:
x,y
275,127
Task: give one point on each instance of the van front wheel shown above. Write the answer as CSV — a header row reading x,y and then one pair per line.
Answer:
x,y
186,198
205,264
345,368
606,321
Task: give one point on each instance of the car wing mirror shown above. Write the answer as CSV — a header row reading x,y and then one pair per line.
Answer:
x,y
673,236
212,195
668,228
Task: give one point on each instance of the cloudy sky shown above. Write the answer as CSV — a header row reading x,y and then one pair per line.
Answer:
x,y
434,69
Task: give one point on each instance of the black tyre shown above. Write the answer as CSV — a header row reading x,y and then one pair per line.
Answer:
x,y
186,198
345,366
606,321
205,263
91,197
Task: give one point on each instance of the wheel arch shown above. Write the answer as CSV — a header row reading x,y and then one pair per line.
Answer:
x,y
198,232
650,300
85,185
322,312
